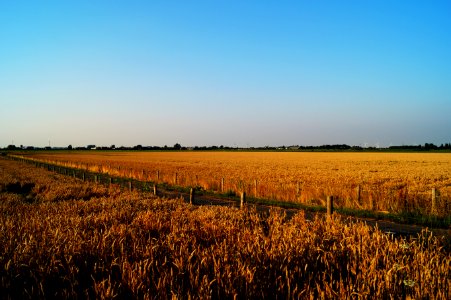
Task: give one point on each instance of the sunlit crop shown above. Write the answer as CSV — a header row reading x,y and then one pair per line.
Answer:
x,y
100,242
391,182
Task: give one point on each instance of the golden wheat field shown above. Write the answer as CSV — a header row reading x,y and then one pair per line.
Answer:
x,y
64,238
392,182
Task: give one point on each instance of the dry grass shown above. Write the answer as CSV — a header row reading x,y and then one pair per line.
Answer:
x,y
114,244
392,182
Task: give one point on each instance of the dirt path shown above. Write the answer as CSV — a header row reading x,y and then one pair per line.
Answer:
x,y
394,228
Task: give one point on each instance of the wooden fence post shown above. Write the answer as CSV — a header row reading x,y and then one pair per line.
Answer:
x,y
358,194
155,189
435,194
175,178
243,199
222,185
373,201
95,178
330,205
191,196
130,185
83,176
255,188
111,181
158,175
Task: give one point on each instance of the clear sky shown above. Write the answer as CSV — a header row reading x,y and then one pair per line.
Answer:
x,y
245,73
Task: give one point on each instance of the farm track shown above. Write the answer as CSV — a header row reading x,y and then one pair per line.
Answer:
x,y
397,229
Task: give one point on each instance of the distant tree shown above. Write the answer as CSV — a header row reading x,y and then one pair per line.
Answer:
x,y
429,146
69,147
177,146
358,148
11,147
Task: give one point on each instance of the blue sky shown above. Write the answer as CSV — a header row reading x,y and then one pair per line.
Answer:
x,y
245,73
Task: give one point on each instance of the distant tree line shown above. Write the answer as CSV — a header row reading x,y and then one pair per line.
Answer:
x,y
425,147
177,147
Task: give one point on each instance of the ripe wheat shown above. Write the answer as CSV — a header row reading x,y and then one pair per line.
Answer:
x,y
104,243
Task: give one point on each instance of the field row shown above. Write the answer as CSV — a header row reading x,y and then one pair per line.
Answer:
x,y
64,238
373,181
